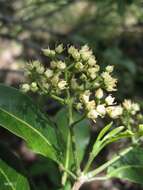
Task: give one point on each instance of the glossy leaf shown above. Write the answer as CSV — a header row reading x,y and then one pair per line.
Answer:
x,y
21,116
128,167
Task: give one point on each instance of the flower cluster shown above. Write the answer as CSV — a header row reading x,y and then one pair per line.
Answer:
x,y
79,76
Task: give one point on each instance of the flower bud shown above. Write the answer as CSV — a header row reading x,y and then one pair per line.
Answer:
x,y
25,88
85,55
48,73
53,64
71,50
61,65
48,52
90,105
55,80
40,69
79,66
91,61
85,96
92,114
33,87
99,93
59,49
76,55
109,68
101,109
127,104
114,111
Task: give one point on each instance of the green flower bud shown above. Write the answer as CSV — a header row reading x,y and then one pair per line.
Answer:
x,y
33,87
48,52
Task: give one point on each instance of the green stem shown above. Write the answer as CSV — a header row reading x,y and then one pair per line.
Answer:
x,y
69,140
101,168
92,156
60,100
65,175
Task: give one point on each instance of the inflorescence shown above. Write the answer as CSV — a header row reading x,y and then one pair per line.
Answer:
x,y
79,76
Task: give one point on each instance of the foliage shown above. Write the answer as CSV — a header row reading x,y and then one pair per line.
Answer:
x,y
84,90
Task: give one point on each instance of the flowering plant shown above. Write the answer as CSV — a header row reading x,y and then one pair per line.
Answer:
x,y
85,91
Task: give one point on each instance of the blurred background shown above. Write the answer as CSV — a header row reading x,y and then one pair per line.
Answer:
x,y
112,28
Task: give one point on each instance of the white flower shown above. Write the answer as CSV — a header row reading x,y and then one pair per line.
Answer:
x,y
61,65
109,81
48,73
101,109
76,55
131,107
92,72
114,111
59,48
135,107
85,53
62,84
90,105
25,88
127,104
92,114
91,61
99,93
74,52
109,100
109,68
85,96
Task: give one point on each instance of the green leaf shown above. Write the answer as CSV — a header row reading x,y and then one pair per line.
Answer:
x,y
104,131
12,174
81,131
113,133
21,116
128,167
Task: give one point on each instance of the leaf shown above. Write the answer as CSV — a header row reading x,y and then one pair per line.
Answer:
x,y
104,131
81,131
128,167
12,176
113,133
21,116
